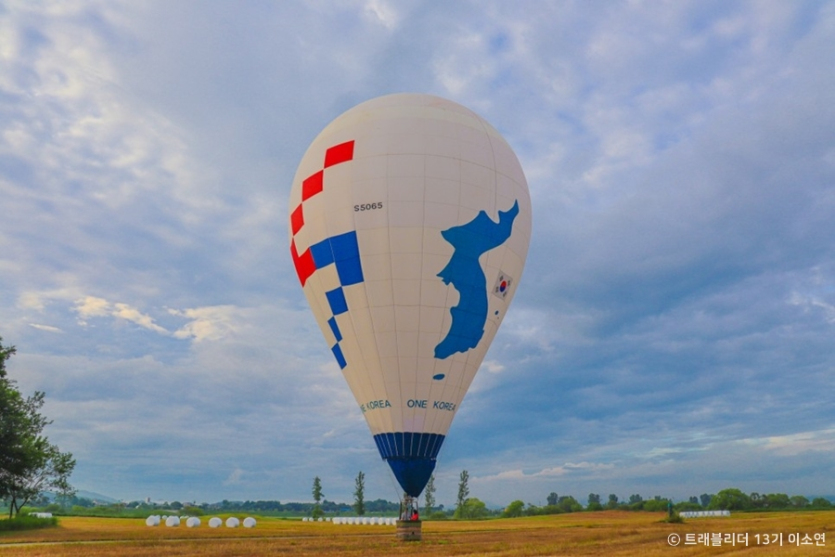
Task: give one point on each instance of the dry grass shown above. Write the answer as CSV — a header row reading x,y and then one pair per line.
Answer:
x,y
604,533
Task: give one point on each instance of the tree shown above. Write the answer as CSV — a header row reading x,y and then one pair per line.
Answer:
x,y
821,503
613,501
690,505
569,504
317,497
471,508
429,493
29,463
463,489
553,499
730,499
594,502
12,421
514,509
359,494
704,499
5,354
777,501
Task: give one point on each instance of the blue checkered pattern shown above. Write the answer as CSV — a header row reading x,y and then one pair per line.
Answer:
x,y
343,251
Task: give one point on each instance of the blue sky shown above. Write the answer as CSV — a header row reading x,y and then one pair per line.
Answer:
x,y
672,334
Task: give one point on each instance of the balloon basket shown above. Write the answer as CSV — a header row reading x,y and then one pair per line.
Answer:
x,y
409,530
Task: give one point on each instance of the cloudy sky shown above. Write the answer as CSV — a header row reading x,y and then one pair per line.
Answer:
x,y
672,334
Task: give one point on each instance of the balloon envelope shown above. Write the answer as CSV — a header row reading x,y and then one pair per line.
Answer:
x,y
410,220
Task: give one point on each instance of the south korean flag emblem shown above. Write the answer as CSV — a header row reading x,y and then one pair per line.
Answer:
x,y
502,286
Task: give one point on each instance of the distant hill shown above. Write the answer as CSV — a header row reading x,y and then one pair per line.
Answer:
x,y
92,495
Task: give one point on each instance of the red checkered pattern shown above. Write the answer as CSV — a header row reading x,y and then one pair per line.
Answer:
x,y
311,186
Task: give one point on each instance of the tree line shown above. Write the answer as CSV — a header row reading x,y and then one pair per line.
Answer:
x,y
468,507
731,499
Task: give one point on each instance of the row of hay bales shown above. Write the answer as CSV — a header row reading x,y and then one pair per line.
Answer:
x,y
379,520
194,522
702,514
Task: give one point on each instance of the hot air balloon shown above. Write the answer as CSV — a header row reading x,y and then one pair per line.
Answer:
x,y
410,220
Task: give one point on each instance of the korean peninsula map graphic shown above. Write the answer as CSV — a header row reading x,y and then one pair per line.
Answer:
x,y
465,274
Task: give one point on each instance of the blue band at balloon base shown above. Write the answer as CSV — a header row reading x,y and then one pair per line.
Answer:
x,y
411,457
412,474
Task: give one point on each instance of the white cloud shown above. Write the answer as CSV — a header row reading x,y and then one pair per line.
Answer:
x,y
492,366
235,477
822,441
128,313
92,306
812,302
31,300
583,469
47,328
383,12
208,323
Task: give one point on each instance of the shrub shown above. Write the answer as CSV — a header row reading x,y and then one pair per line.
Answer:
x,y
26,523
655,505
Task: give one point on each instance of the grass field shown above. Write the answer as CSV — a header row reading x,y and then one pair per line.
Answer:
x,y
601,533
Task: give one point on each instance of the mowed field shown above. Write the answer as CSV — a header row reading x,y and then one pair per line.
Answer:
x,y
602,533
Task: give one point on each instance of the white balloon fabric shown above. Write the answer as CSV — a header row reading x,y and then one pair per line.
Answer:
x,y
410,220
152,520
215,522
249,522
192,522
232,522
172,521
